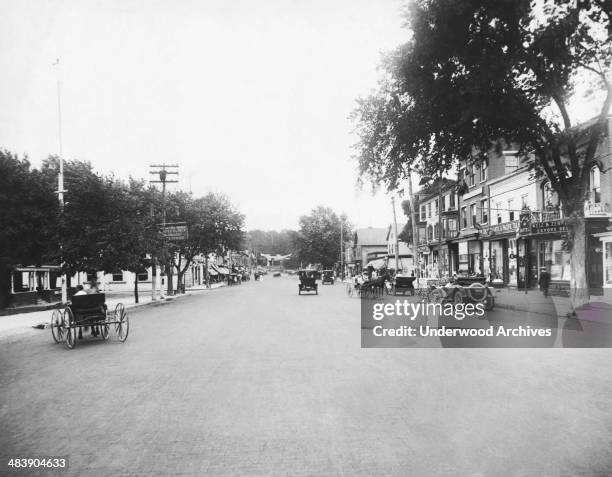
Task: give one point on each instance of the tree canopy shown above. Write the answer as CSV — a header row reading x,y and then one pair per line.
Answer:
x,y
476,75
318,239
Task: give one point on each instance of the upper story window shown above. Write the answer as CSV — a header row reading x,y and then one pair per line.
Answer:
x,y
549,197
118,277
463,217
524,201
430,233
423,213
595,186
429,210
473,214
483,171
443,200
471,176
498,209
511,209
512,161
484,213
451,200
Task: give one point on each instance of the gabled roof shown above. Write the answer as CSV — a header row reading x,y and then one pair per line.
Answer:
x,y
371,236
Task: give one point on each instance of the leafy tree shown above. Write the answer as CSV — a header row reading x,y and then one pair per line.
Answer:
x,y
477,73
106,223
213,225
318,240
29,215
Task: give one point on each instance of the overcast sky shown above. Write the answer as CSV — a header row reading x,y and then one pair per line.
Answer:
x,y
250,98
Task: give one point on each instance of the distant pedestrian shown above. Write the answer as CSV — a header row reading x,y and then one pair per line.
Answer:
x,y
544,281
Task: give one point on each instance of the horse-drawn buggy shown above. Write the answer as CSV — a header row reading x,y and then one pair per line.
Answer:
x,y
308,281
403,284
88,311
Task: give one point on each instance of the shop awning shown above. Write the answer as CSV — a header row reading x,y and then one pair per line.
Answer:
x,y
223,270
377,264
404,263
212,270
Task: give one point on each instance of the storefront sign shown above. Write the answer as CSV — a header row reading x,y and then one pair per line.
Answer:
x,y
500,229
549,227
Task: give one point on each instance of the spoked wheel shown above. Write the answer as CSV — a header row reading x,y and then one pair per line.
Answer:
x,y
436,296
104,329
457,298
70,329
122,324
57,326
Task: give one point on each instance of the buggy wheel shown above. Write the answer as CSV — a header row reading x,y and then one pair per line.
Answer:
x,y
57,326
122,324
457,297
70,329
436,296
104,329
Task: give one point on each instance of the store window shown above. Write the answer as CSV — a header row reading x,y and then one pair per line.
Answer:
x,y
608,264
118,277
554,259
451,201
463,217
423,213
143,277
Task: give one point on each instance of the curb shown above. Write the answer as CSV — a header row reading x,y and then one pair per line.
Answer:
x,y
158,302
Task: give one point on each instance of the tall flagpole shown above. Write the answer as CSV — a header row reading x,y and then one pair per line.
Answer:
x,y
60,177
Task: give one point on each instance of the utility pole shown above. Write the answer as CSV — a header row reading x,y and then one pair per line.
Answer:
x,y
440,227
60,176
396,239
341,248
163,170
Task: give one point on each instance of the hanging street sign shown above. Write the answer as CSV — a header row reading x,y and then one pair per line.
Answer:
x,y
175,232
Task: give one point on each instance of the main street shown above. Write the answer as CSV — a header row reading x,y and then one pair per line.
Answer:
x,y
255,379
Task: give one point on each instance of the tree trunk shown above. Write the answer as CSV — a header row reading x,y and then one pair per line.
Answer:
x,y
135,287
170,285
579,287
5,285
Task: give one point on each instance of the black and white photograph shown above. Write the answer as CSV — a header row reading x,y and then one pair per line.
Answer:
x,y
306,238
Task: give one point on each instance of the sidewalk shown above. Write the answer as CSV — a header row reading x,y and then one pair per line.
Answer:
x,y
22,321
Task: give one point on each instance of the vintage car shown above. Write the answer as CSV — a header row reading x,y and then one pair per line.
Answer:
x,y
308,281
328,277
